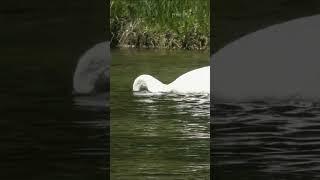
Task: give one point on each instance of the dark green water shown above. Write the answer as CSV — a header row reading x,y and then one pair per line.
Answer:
x,y
45,131
157,136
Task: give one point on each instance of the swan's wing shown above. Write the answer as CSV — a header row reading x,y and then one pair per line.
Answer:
x,y
195,81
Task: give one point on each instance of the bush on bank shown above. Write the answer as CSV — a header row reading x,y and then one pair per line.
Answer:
x,y
172,24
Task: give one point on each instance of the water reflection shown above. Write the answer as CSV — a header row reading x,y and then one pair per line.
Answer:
x,y
97,101
96,107
194,105
197,106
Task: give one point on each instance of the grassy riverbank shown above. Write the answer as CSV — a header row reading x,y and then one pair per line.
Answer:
x,y
171,24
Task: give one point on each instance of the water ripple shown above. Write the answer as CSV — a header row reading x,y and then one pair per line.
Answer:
x,y
267,138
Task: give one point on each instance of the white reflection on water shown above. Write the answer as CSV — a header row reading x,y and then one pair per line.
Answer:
x,y
191,111
196,105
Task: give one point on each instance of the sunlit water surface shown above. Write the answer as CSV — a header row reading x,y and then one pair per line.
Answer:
x,y
157,136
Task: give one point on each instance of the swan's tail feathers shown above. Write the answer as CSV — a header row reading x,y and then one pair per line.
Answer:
x,y
148,83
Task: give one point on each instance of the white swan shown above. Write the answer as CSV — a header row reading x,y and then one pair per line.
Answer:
x,y
92,71
277,62
195,81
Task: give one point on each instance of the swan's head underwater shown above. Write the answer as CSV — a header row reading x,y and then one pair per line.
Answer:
x,y
193,82
148,83
92,71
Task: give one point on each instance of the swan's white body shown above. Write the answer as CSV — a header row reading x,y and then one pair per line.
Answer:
x,y
277,62
92,71
195,81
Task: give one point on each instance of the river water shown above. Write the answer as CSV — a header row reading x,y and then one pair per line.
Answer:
x,y
46,132
276,139
157,136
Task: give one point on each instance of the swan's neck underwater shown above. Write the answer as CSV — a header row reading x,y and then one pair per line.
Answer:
x,y
149,83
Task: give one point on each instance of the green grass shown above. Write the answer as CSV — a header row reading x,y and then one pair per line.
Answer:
x,y
173,24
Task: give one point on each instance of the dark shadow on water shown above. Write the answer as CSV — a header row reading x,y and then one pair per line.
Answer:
x,y
269,140
46,132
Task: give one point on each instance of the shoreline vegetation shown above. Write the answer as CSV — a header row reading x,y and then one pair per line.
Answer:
x,y
163,24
